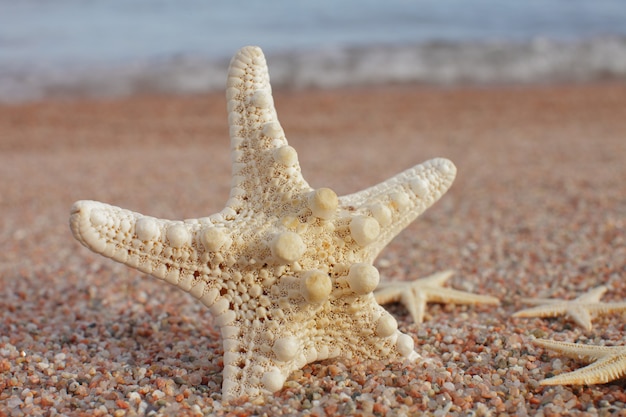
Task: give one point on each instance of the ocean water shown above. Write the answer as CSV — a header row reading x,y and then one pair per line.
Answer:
x,y
119,47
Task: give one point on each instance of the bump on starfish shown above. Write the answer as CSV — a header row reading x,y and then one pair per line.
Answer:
x,y
580,310
608,363
286,270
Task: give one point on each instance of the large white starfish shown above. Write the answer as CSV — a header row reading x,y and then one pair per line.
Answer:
x,y
285,269
608,363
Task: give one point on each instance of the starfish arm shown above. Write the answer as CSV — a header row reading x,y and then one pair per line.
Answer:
x,y
540,301
585,353
452,296
578,313
168,250
260,361
609,363
599,372
415,305
593,295
387,294
438,279
259,149
398,201
550,310
606,308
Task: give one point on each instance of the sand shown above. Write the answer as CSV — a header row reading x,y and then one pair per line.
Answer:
x,y
538,210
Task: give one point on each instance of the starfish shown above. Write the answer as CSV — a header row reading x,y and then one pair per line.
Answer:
x,y
286,270
608,363
580,310
416,294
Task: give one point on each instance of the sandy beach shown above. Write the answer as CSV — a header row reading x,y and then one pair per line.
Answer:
x,y
538,209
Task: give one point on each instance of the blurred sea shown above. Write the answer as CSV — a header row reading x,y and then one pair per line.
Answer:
x,y
70,48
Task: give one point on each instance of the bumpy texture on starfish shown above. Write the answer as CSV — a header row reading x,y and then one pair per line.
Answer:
x,y
285,269
609,363
416,294
581,309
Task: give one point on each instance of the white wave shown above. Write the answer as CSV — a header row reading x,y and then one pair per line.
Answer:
x,y
441,63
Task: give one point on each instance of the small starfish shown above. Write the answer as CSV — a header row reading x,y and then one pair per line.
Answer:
x,y
416,294
581,309
608,363
286,270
